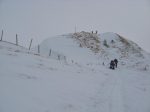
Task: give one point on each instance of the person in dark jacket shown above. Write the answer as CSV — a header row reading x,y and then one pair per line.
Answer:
x,y
116,62
112,64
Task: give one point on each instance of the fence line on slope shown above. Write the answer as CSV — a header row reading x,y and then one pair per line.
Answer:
x,y
51,53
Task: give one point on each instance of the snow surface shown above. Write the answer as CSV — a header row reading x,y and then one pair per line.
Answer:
x,y
32,82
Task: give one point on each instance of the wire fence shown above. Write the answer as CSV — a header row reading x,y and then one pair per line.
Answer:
x,y
36,51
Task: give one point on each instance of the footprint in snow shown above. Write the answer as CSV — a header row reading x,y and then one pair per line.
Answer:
x,y
27,76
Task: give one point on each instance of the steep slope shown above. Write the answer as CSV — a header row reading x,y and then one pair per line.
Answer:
x,y
128,52
90,48
31,82
65,45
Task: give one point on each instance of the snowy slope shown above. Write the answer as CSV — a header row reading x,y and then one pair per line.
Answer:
x,y
66,46
42,83
87,48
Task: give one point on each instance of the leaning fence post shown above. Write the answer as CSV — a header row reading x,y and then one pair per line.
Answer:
x,y
30,44
1,36
16,39
39,49
50,52
58,57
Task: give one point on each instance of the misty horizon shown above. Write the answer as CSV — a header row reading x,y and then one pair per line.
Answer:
x,y
40,19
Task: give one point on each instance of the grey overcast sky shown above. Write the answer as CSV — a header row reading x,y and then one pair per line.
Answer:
x,y
40,19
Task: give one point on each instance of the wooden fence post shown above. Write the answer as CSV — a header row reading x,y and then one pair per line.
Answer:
x,y
16,39
58,57
30,44
1,36
50,51
39,49
75,29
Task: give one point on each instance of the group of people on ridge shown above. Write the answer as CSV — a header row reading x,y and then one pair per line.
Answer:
x,y
113,64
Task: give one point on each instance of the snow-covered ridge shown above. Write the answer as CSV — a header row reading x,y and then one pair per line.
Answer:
x,y
92,48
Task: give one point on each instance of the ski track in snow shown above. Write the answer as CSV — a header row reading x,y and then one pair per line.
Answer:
x,y
109,96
